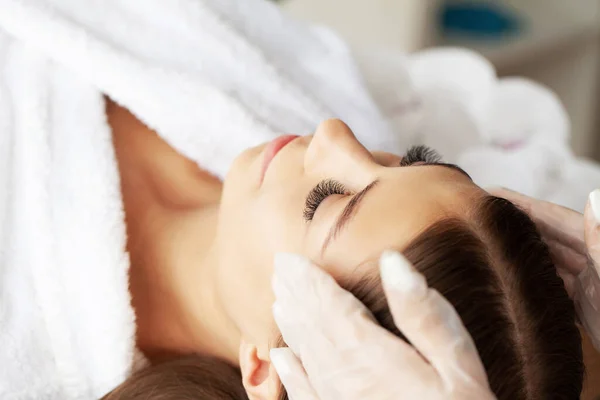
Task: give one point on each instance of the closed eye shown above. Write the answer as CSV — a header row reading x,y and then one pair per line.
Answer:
x,y
319,193
423,155
420,154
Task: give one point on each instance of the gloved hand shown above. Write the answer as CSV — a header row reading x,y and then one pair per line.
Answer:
x,y
336,351
574,242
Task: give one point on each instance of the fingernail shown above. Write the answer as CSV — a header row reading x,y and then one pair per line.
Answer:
x,y
287,264
277,311
595,204
280,358
398,273
290,271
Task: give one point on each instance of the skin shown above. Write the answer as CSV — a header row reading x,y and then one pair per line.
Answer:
x,y
202,251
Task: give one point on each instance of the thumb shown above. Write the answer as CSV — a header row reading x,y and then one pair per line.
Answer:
x,y
292,374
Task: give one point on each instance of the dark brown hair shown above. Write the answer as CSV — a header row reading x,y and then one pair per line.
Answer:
x,y
186,378
497,272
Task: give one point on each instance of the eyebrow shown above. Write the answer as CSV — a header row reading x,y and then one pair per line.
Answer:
x,y
352,207
349,211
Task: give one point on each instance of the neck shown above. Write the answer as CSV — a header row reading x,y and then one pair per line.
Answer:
x,y
179,310
171,216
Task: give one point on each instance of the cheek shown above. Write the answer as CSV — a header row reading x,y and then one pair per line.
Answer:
x,y
277,216
245,267
246,294
252,227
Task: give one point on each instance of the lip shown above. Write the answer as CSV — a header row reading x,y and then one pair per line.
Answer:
x,y
272,149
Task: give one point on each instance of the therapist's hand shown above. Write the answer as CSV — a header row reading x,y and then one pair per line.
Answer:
x,y
574,241
336,350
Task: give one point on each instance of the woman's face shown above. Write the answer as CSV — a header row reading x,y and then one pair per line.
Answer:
x,y
326,197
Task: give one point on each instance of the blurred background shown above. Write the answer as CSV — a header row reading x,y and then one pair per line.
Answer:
x,y
554,42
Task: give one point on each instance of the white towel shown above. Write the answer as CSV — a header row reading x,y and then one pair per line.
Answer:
x,y
507,132
212,77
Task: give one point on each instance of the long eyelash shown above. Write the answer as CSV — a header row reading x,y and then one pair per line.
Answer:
x,y
319,193
421,154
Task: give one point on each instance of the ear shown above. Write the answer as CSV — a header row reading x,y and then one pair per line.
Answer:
x,y
258,375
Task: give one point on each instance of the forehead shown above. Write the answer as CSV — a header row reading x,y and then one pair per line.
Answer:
x,y
404,203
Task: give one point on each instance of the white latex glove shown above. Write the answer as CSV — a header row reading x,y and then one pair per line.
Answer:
x,y
574,241
336,350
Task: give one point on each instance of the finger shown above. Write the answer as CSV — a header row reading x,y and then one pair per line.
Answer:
x,y
313,313
587,295
292,374
592,228
569,263
587,301
428,320
311,300
322,323
554,222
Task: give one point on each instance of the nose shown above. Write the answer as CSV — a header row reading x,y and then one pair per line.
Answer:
x,y
334,152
